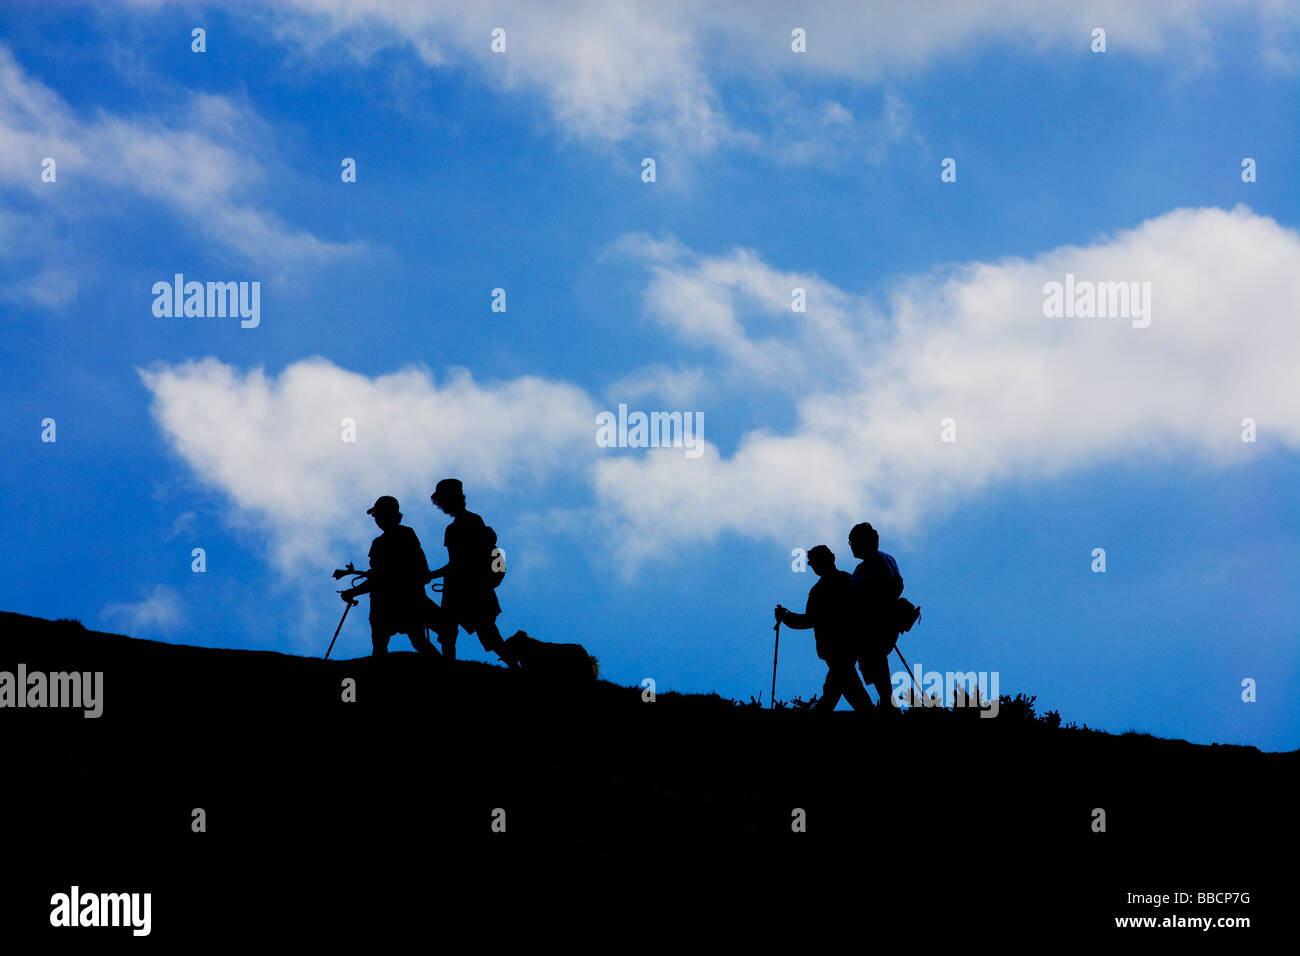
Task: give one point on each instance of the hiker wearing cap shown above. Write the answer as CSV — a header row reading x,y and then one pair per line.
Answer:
x,y
468,598
398,573
878,583
832,613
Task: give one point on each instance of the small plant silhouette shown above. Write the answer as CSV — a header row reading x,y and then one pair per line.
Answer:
x,y
1017,709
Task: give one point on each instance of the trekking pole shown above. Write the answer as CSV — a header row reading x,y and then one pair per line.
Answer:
x,y
777,629
356,576
346,608
909,671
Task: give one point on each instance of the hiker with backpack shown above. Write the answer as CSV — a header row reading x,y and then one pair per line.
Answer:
x,y
473,570
832,613
398,573
879,586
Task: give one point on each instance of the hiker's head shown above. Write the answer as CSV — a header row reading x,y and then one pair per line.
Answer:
x,y
863,540
386,512
449,496
821,559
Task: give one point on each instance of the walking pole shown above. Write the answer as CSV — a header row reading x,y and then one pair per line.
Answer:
x,y
339,628
777,628
909,672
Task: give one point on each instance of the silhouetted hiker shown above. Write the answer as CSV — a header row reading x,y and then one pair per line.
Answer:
x,y
398,573
879,584
468,598
833,614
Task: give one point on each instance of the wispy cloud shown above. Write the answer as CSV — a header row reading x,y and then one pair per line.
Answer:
x,y
276,444
678,387
1030,396
654,73
158,613
200,161
52,288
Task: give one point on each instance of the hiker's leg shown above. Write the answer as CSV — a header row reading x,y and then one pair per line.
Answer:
x,y
420,641
830,691
447,640
438,620
483,610
378,642
850,685
490,638
435,620
876,671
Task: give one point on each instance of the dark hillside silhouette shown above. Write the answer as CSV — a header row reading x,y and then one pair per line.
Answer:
x,y
292,777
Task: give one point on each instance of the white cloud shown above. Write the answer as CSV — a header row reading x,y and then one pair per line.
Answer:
x,y
159,612
679,388
1031,396
651,73
201,164
274,444
825,133
1280,27
609,72
740,308
51,288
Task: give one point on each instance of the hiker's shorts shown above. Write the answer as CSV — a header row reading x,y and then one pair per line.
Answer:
x,y
470,610
403,618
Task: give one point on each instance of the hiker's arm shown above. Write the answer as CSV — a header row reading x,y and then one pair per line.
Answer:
x,y
895,577
793,619
434,575
352,592
422,564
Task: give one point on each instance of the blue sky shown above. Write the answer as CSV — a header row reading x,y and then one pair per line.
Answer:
x,y
820,170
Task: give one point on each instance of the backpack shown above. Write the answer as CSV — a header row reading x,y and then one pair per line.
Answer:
x,y
905,615
496,557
